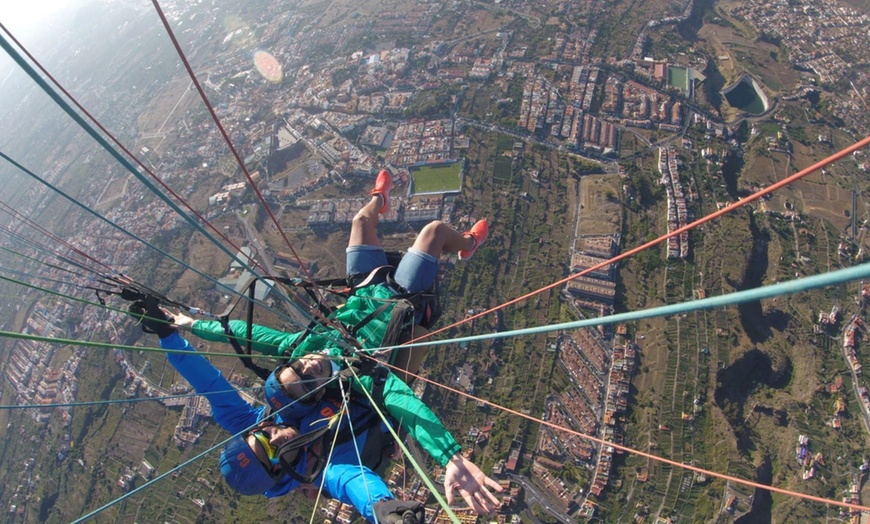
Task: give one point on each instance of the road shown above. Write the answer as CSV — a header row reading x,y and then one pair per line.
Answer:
x,y
865,416
252,236
535,495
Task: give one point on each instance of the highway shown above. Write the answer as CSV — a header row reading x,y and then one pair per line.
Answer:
x,y
252,237
534,495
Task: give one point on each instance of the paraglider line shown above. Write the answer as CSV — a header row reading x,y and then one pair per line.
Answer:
x,y
755,196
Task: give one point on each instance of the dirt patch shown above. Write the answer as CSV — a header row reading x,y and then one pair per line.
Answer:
x,y
600,208
824,194
746,54
766,169
136,431
177,99
826,201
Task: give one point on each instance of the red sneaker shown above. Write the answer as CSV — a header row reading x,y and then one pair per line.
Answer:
x,y
479,231
382,187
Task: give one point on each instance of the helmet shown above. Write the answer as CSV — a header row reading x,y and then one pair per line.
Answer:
x,y
242,470
274,392
279,399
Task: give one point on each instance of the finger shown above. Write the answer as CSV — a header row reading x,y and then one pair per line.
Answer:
x,y
449,492
488,498
482,502
466,496
472,503
494,485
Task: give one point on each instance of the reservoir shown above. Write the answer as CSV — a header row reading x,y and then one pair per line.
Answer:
x,y
747,96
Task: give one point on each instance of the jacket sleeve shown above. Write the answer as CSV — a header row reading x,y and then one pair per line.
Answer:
x,y
266,340
416,418
229,409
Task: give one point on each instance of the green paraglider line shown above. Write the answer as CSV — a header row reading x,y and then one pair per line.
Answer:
x,y
827,279
150,186
419,469
105,345
62,104
145,168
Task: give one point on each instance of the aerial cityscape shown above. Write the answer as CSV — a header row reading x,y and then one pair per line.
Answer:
x,y
581,130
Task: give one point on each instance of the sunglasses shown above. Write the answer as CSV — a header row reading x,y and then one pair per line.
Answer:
x,y
270,450
307,381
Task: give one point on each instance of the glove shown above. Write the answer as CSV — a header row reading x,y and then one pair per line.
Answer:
x,y
400,512
153,319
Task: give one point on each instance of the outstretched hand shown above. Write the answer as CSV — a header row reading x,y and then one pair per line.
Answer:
x,y
465,477
182,320
152,317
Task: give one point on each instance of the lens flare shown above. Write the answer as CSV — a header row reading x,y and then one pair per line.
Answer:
x,y
268,66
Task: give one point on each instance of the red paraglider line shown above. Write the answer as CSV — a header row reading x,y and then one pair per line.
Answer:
x,y
224,133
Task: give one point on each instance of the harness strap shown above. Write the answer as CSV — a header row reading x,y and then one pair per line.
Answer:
x,y
296,343
133,292
401,323
368,318
336,286
372,452
383,272
377,441
260,371
289,455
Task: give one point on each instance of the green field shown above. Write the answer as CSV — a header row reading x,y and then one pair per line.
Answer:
x,y
678,77
437,179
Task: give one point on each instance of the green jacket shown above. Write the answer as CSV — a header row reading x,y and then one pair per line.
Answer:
x,y
412,414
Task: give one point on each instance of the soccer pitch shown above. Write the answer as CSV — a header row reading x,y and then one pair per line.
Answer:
x,y
442,178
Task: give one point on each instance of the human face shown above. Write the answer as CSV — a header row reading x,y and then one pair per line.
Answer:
x,y
266,440
305,374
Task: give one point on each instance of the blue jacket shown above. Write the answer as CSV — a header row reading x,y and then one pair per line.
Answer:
x,y
345,479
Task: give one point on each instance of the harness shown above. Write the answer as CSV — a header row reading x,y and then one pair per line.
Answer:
x,y
402,319
406,305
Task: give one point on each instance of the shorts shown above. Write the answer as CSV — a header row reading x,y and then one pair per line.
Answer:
x,y
416,271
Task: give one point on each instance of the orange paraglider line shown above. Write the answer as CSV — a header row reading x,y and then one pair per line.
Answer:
x,y
637,452
725,210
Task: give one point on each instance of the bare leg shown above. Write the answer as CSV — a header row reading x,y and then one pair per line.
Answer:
x,y
364,227
437,237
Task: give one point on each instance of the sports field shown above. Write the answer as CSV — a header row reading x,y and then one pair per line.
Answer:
x,y
442,178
